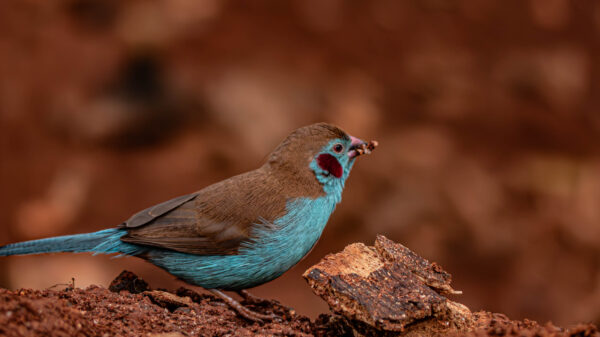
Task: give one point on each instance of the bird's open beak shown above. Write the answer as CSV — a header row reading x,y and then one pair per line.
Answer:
x,y
356,144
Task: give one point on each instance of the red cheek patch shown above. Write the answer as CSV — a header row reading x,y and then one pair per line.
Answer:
x,y
328,163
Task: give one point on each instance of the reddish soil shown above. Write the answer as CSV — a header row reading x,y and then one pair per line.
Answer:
x,y
97,311
493,324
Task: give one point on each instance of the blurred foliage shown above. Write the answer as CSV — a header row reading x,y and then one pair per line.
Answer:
x,y
487,113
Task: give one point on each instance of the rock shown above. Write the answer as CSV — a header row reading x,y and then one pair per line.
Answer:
x,y
388,289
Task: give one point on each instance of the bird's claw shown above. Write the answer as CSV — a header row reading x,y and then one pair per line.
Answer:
x,y
257,317
243,311
249,297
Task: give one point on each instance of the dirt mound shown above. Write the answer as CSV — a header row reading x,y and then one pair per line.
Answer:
x,y
380,290
96,311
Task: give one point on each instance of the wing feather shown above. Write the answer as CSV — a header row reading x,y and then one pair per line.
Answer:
x,y
145,216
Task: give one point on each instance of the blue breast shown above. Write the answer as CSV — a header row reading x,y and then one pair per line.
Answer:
x,y
275,249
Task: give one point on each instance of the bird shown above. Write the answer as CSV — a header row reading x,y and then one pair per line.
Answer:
x,y
240,232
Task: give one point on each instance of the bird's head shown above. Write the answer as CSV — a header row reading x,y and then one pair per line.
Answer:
x,y
319,153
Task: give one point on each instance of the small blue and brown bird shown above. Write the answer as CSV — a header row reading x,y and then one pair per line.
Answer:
x,y
240,232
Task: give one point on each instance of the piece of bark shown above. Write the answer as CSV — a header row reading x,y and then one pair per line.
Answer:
x,y
430,273
166,334
387,288
168,300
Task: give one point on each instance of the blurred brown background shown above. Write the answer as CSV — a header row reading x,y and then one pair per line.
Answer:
x,y
487,114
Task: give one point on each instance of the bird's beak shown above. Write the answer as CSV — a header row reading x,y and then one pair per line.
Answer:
x,y
355,144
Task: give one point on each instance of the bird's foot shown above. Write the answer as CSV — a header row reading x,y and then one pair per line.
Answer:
x,y
243,311
248,297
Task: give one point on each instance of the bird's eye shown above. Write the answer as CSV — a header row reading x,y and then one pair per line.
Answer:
x,y
338,148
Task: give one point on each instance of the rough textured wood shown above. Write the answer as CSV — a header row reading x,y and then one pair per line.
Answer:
x,y
168,300
387,289
431,274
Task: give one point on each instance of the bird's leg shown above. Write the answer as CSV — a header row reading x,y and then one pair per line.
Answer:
x,y
248,297
243,311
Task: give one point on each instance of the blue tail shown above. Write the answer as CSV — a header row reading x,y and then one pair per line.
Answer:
x,y
106,241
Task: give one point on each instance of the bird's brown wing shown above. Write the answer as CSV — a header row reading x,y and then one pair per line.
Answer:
x,y
213,221
184,230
